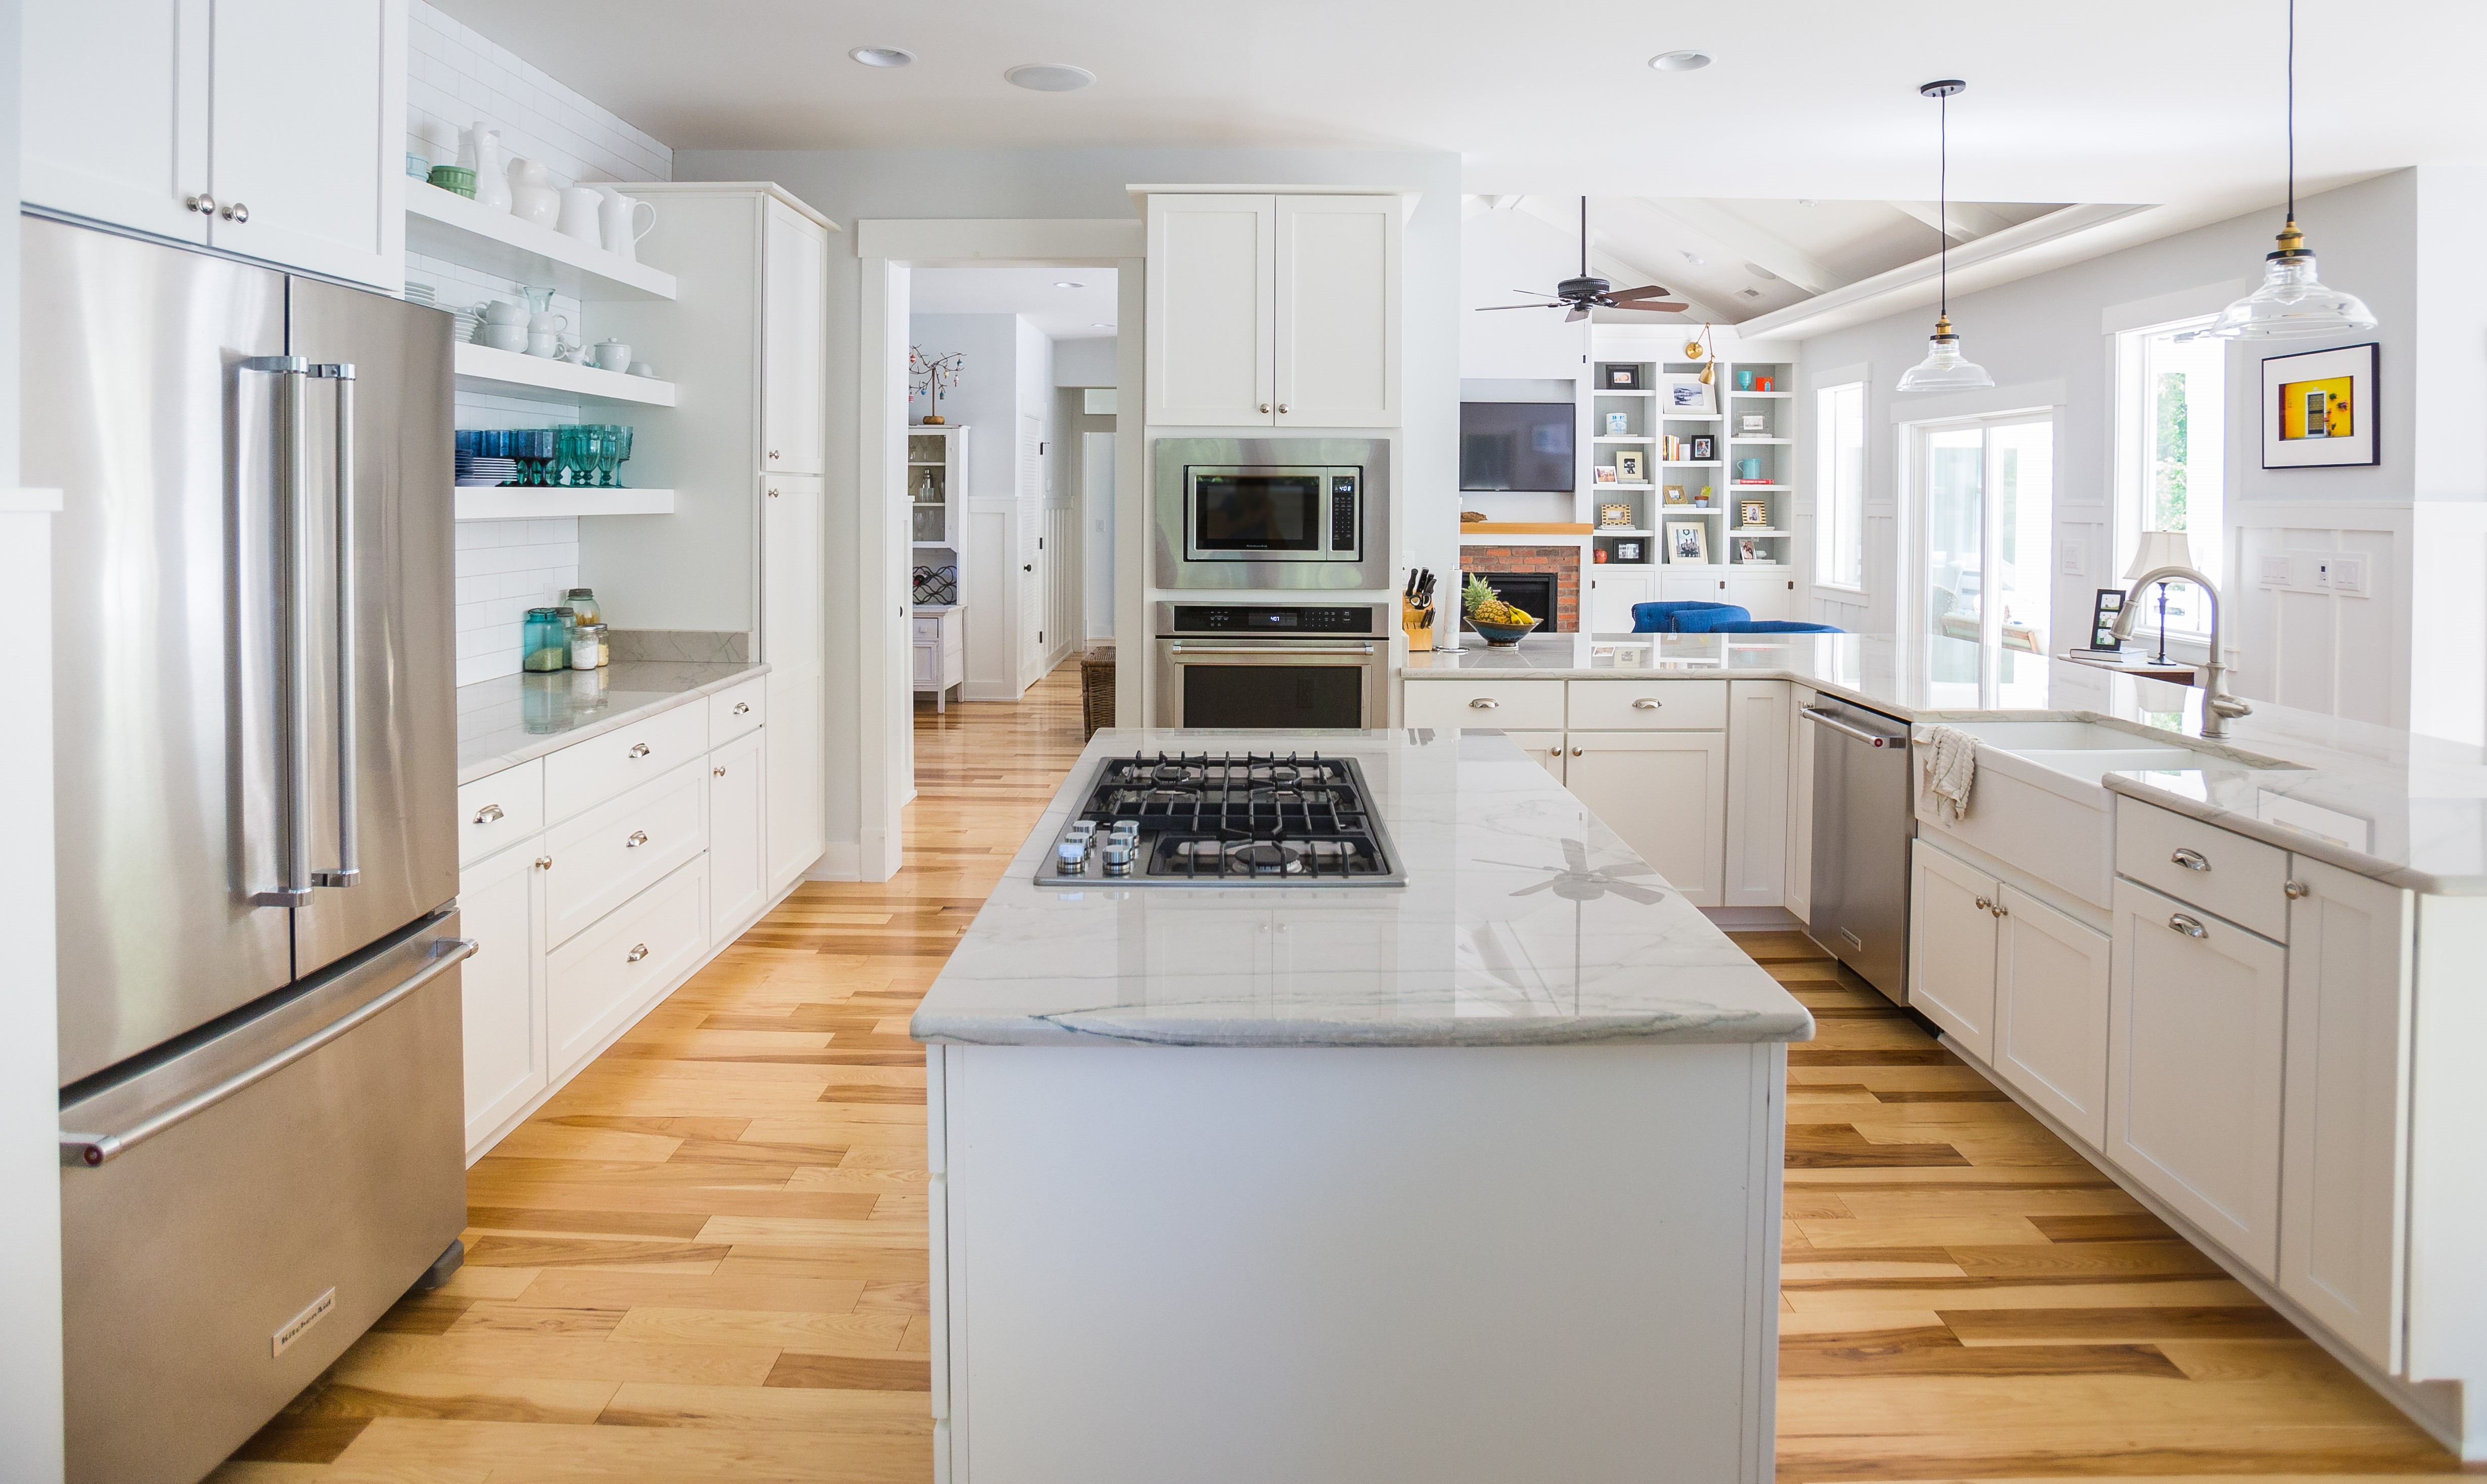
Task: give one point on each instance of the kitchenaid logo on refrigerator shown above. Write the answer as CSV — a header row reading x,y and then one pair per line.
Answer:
x,y
292,1329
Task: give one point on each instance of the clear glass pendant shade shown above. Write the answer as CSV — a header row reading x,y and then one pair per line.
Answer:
x,y
1944,369
2291,304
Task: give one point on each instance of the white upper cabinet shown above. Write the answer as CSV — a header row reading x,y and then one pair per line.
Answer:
x,y
793,257
1337,349
116,112
1212,284
270,128
1273,311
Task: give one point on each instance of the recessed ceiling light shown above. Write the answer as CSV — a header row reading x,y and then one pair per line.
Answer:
x,y
1802,202
882,56
1050,77
1065,283
1680,61
1098,324
1751,293
1759,271
1693,257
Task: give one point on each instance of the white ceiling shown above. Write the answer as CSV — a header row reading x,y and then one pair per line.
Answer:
x,y
1085,313
2115,100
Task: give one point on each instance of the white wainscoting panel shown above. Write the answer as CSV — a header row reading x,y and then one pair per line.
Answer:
x,y
2299,643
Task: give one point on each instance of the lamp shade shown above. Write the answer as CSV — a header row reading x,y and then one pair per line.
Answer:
x,y
1944,368
2292,304
2158,549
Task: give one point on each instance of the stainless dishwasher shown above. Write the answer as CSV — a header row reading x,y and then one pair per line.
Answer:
x,y
1861,825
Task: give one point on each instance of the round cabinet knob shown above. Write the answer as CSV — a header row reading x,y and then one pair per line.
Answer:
x,y
543,863
1984,906
639,749
772,453
1264,407
235,213
490,814
202,203
635,839
716,773
1646,702
1282,406
1576,753
637,952
772,495
1554,752
2298,891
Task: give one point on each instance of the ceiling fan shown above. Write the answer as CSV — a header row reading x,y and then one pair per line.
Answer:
x,y
1586,293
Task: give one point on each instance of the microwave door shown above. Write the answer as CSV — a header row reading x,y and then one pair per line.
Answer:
x,y
1249,513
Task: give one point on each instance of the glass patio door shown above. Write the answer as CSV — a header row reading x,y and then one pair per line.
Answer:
x,y
1986,523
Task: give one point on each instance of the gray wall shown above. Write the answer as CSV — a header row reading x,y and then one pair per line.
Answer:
x,y
853,185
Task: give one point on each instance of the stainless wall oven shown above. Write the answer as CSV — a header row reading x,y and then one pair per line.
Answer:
x,y
1273,512
1276,666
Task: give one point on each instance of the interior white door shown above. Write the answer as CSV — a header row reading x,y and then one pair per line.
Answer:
x,y
1665,794
791,407
1757,798
2194,1068
1544,748
115,113
1337,351
2050,1012
1952,946
737,867
500,903
1800,845
1210,313
1032,577
2344,1155
1097,513
1613,592
797,830
308,135
790,573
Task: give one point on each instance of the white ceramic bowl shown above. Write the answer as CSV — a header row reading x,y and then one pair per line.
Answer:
x,y
504,337
538,204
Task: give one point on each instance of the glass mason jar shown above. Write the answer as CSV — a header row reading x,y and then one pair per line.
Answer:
x,y
583,602
543,643
587,649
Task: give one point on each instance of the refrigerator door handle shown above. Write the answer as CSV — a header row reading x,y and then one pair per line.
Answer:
x,y
294,652
348,871
87,1151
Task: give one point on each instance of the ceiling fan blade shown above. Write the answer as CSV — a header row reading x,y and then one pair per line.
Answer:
x,y
1487,309
1578,312
1652,292
1666,308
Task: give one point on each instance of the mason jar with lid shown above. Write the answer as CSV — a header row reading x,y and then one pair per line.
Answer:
x,y
544,642
583,602
587,648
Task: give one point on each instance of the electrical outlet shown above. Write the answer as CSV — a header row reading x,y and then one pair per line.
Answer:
x,y
2073,552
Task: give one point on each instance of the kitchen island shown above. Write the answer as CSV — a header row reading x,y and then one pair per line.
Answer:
x,y
1474,1178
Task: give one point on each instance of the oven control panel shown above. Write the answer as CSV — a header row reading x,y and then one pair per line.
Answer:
x,y
1281,619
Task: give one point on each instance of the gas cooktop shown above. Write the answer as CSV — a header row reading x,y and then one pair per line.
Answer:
x,y
1224,820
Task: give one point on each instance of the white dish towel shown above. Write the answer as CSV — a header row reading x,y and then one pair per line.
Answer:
x,y
1951,768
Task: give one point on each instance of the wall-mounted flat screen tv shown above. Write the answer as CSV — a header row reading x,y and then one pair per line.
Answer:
x,y
1517,445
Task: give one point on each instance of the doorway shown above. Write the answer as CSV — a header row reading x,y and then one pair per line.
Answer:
x,y
1984,498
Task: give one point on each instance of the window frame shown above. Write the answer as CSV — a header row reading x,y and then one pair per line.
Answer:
x,y
1914,465
2129,365
1825,526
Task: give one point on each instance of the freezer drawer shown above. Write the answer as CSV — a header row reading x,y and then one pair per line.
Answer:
x,y
212,1270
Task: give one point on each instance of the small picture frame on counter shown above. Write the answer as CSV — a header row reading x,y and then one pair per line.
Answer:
x,y
1604,473
1619,379
2104,609
1749,549
1627,551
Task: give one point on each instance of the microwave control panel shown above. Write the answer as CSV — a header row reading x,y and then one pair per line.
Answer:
x,y
1342,513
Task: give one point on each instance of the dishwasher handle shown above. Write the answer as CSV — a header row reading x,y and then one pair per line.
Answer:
x,y
1845,728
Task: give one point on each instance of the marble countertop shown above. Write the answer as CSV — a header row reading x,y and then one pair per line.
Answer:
x,y
1525,922
2399,807
503,722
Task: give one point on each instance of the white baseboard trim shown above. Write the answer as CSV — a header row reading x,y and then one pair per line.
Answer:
x,y
2434,1406
841,860
1753,919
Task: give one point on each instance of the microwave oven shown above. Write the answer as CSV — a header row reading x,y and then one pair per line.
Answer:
x,y
1241,513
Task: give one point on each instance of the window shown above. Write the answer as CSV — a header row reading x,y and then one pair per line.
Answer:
x,y
2171,419
1985,506
1840,511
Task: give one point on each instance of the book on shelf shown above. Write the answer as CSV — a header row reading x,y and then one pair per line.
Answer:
x,y
1757,481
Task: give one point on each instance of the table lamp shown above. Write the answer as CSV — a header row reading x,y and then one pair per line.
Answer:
x,y
2160,549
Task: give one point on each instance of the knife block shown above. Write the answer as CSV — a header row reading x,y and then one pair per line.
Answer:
x,y
1418,625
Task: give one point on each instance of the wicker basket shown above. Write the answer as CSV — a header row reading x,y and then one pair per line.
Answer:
x,y
1097,687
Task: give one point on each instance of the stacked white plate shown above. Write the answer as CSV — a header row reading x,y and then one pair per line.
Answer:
x,y
475,470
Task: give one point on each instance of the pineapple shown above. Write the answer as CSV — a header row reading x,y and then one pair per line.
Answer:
x,y
1484,605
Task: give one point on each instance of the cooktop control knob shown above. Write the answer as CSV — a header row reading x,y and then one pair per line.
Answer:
x,y
1118,855
1073,853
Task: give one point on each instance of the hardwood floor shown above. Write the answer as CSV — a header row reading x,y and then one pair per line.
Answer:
x,y
705,1259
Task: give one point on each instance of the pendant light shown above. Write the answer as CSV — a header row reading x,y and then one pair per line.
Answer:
x,y
2292,302
1944,369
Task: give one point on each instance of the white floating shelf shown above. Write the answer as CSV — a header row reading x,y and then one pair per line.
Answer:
x,y
1760,440
1621,391
536,502
1691,417
936,546
1756,530
1612,485
1691,509
444,224
1621,530
1622,438
483,369
1756,488
1693,463
1761,394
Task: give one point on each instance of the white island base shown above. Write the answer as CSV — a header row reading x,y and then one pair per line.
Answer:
x,y
1440,1265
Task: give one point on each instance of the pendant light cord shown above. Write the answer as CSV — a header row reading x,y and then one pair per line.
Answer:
x,y
1942,198
2292,110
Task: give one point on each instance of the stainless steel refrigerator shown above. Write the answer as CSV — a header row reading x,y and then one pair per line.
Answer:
x,y
262,1129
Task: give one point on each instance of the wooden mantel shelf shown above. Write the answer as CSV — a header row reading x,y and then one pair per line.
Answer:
x,y
1525,528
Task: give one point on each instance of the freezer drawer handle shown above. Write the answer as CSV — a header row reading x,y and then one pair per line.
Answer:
x,y
490,814
1869,738
2190,927
1648,703
2189,859
88,1150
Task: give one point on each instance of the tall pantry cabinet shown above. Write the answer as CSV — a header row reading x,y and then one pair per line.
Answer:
x,y
742,550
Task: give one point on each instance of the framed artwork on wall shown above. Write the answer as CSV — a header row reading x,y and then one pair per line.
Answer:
x,y
2319,409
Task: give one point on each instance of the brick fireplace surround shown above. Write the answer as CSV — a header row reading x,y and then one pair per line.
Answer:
x,y
1563,563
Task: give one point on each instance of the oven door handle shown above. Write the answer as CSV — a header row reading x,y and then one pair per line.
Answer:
x,y
1279,651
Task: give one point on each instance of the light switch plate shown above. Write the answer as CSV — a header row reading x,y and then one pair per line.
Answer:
x,y
2278,569
2346,576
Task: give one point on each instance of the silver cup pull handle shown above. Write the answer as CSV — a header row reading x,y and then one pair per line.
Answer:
x,y
1648,703
639,749
490,814
1485,703
637,952
2189,859
635,839
2190,925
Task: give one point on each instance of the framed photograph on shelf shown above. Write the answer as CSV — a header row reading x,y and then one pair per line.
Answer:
x,y
1617,514
1686,395
1618,424
1754,512
1619,379
1749,549
1757,423
1677,494
1705,448
1604,473
2318,409
1627,551
1689,540
2104,609
1632,466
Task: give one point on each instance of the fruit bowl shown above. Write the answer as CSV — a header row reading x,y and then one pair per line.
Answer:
x,y
1502,634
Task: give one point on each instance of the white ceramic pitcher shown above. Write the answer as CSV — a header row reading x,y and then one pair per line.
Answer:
x,y
491,178
619,217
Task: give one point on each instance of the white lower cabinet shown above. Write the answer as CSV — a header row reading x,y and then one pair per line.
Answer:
x,y
796,832
2195,1054
1666,795
1613,589
738,863
607,974
2344,1154
1544,748
500,905
1757,797
612,852
1800,806
1766,595
1952,932
2051,1010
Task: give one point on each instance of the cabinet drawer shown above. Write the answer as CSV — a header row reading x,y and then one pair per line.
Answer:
x,y
584,774
501,809
1498,703
1648,706
2243,881
733,712
928,629
607,974
609,853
